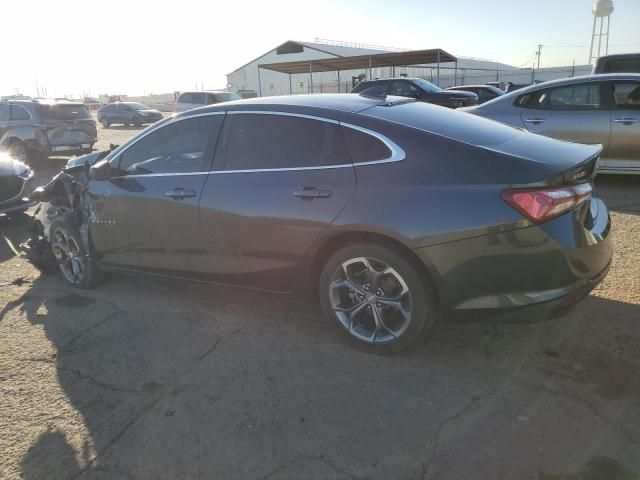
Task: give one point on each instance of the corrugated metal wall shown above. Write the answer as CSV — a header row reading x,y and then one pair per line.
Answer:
x,y
274,83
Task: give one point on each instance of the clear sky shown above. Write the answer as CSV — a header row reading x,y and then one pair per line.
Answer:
x,y
139,47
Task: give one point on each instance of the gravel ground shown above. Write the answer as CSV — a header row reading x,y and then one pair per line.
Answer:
x,y
149,379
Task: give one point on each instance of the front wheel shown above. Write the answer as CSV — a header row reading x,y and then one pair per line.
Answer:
x,y
105,123
71,255
377,297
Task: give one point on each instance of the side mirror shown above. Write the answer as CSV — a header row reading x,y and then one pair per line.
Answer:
x,y
100,170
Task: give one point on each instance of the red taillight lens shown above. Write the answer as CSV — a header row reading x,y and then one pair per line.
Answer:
x,y
542,204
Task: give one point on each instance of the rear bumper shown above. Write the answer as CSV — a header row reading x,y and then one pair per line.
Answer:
x,y
549,266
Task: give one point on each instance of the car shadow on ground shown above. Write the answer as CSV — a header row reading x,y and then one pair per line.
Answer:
x,y
195,365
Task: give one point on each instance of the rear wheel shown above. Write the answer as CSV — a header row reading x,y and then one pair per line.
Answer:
x,y
19,151
137,122
71,255
376,297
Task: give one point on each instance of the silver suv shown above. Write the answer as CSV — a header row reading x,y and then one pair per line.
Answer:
x,y
189,100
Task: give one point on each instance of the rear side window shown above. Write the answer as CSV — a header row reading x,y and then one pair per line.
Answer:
x,y
64,112
211,99
185,98
259,141
19,113
179,147
626,95
364,147
569,97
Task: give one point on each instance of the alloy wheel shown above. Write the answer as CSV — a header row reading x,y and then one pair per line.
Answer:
x,y
371,300
69,256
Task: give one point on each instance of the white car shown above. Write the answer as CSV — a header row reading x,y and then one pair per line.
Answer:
x,y
189,100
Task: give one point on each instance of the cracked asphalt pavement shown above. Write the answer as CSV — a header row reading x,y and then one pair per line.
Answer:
x,y
152,379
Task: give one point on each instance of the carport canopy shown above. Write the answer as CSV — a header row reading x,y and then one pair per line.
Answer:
x,y
391,59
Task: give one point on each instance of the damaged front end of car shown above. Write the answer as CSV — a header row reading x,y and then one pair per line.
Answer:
x,y
62,199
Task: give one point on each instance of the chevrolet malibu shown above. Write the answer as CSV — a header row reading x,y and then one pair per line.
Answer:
x,y
391,211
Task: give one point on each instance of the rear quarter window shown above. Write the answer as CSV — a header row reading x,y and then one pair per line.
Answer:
x,y
626,65
364,147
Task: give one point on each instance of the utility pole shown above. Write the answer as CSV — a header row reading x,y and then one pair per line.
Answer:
x,y
538,54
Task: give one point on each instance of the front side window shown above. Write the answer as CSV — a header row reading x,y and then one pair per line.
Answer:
x,y
263,141
19,113
179,147
626,95
211,99
570,97
427,86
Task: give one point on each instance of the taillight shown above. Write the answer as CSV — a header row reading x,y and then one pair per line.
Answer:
x,y
542,204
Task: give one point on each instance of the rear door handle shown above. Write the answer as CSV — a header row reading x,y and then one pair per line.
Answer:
x,y
309,193
180,193
626,121
535,120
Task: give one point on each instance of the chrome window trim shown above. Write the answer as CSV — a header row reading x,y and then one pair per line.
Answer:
x,y
397,153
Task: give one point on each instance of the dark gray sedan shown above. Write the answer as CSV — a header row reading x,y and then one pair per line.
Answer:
x,y
127,113
387,209
596,109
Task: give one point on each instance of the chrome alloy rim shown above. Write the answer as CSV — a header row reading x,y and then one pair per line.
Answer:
x,y
371,300
69,256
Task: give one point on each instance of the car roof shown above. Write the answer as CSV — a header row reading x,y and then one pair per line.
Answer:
x,y
581,79
346,102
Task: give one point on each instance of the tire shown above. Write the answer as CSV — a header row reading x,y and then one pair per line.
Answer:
x,y
105,123
137,122
19,151
350,302
77,268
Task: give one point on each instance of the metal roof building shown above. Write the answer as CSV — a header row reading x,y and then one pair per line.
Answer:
x,y
305,67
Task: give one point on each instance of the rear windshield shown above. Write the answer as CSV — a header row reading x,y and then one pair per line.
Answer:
x,y
622,65
64,112
457,125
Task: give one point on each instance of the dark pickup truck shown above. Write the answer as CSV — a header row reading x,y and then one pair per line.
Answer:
x,y
419,89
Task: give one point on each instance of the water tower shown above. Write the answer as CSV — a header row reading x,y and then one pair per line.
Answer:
x,y
602,9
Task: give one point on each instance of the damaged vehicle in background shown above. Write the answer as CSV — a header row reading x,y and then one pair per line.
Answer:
x,y
15,178
263,194
46,127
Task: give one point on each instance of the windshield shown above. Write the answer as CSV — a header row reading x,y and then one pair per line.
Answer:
x,y
228,96
60,111
137,106
427,86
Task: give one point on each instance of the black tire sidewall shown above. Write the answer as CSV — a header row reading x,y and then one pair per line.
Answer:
x,y
422,294
90,270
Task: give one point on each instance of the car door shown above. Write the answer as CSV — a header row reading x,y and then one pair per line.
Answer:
x,y
624,148
569,112
279,180
146,215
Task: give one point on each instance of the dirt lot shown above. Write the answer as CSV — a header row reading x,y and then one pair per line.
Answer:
x,y
148,379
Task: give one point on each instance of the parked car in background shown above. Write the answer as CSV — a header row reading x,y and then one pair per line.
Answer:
x,y
596,109
484,92
501,85
247,93
263,194
621,63
45,127
512,87
127,113
188,100
15,178
419,89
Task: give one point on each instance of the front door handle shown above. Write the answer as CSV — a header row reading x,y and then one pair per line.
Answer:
x,y
180,193
535,120
626,121
309,193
